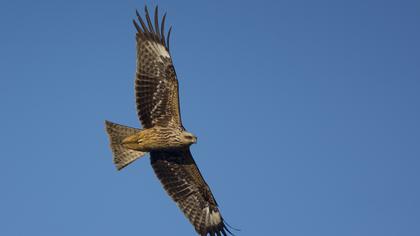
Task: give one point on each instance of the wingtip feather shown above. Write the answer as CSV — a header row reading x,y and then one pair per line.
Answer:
x,y
152,29
149,22
169,35
157,22
162,29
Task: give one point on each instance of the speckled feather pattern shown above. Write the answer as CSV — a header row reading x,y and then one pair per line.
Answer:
x,y
156,89
156,84
122,156
183,181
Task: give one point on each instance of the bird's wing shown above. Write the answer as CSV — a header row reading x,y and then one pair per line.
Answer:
x,y
156,83
183,181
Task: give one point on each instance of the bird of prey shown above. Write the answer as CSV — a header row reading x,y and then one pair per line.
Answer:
x,y
163,135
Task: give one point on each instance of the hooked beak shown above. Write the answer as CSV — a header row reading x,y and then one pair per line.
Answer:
x,y
195,140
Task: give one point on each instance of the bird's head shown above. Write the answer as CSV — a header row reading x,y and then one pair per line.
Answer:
x,y
188,138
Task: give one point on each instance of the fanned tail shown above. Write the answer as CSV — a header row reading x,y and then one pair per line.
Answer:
x,y
122,156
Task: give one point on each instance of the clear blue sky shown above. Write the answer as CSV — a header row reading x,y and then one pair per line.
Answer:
x,y
307,114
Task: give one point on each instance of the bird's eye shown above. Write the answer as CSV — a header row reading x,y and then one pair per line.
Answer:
x,y
189,137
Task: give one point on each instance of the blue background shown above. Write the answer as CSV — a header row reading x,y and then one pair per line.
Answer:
x,y
307,114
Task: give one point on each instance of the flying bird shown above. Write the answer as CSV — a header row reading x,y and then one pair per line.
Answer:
x,y
163,135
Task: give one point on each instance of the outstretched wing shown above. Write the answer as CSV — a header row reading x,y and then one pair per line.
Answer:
x,y
156,83
183,181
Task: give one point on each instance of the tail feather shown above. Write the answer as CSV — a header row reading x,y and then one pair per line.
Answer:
x,y
122,156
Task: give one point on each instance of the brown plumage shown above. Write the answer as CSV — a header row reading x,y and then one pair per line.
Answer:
x,y
163,135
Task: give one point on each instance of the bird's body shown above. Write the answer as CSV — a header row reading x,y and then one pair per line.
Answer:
x,y
159,138
163,134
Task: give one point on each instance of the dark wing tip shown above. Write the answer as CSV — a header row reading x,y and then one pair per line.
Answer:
x,y
151,29
157,22
169,35
227,228
222,228
149,21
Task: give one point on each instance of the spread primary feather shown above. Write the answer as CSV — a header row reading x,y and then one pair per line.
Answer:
x,y
163,135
